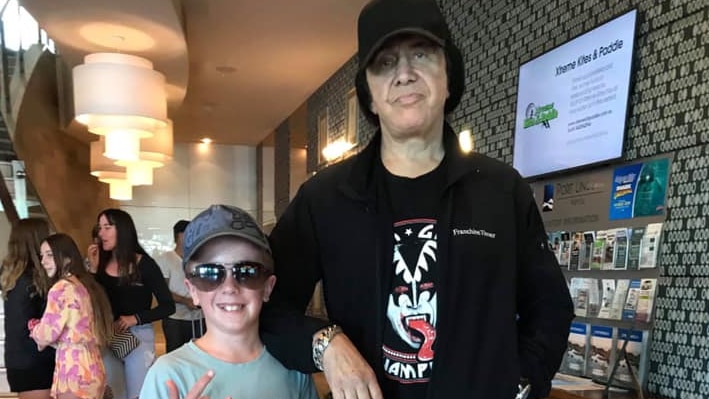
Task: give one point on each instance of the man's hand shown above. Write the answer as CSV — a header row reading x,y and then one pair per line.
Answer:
x,y
347,373
196,391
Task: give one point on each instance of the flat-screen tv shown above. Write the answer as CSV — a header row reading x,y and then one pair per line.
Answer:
x,y
572,101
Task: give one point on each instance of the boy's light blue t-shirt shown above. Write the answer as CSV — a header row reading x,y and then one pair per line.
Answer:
x,y
262,378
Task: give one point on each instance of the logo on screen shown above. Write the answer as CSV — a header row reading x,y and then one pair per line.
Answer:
x,y
535,115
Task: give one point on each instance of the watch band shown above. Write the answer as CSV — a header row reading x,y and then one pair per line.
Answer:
x,y
523,389
321,343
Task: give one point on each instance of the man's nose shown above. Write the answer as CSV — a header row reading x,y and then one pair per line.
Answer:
x,y
404,70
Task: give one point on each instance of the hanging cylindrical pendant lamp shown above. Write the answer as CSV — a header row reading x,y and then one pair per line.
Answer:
x,y
121,97
106,171
154,153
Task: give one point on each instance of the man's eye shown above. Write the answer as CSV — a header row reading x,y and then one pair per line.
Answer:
x,y
386,62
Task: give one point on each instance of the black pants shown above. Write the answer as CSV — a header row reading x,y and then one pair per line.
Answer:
x,y
179,332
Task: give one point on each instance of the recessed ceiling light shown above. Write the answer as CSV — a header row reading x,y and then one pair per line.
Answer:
x,y
206,140
225,69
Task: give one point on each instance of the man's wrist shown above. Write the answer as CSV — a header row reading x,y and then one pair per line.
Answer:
x,y
321,341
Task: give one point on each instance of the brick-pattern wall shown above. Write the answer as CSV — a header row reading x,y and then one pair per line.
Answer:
x,y
669,111
331,97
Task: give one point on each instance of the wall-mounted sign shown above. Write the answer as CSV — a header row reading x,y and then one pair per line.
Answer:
x,y
639,189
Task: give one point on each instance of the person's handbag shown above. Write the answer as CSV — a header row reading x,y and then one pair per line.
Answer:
x,y
122,343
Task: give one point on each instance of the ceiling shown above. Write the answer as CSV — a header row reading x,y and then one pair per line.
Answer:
x,y
235,69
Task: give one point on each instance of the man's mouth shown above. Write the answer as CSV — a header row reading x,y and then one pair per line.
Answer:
x,y
408,99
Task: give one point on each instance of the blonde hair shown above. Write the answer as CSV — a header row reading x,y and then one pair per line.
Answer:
x,y
23,253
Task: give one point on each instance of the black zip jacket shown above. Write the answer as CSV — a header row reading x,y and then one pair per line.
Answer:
x,y
504,308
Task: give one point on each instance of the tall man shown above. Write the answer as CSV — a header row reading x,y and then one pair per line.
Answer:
x,y
435,264
186,323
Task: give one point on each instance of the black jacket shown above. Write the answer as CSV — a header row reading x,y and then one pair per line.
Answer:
x,y
504,309
22,304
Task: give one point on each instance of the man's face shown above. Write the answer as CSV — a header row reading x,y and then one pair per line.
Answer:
x,y
408,84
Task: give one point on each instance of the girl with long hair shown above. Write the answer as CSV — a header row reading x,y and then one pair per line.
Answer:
x,y
131,278
24,288
77,321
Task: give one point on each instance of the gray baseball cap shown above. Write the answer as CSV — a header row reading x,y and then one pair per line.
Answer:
x,y
218,221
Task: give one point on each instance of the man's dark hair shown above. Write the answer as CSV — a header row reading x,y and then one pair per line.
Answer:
x,y
178,228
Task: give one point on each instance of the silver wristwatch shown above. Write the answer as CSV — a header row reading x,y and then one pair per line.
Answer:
x,y
321,342
523,389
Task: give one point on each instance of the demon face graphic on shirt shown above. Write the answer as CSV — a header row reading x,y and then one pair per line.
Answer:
x,y
411,308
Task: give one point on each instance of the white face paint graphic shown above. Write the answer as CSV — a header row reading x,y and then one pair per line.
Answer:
x,y
412,303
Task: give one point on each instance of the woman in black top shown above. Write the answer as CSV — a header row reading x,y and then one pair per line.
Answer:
x,y
24,287
131,278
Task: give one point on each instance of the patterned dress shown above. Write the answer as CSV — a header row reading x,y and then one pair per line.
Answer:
x,y
67,323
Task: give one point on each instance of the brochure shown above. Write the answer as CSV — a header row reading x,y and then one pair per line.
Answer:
x,y
637,354
636,237
574,362
598,251
621,249
646,298
649,246
601,352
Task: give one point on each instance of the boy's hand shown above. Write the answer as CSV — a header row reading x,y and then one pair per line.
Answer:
x,y
196,391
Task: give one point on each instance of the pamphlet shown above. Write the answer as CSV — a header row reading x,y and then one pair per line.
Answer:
x,y
646,298
637,350
649,246
574,362
621,292
621,249
586,250
601,352
607,297
631,302
575,255
598,251
636,237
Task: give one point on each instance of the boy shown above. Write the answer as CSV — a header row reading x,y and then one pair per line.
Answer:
x,y
229,273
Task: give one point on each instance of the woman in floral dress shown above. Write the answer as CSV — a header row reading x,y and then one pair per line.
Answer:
x,y
77,321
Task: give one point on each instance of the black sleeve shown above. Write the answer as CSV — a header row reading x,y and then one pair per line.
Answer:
x,y
285,329
20,306
154,281
544,304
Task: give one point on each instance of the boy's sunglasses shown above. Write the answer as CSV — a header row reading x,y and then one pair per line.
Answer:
x,y
209,276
